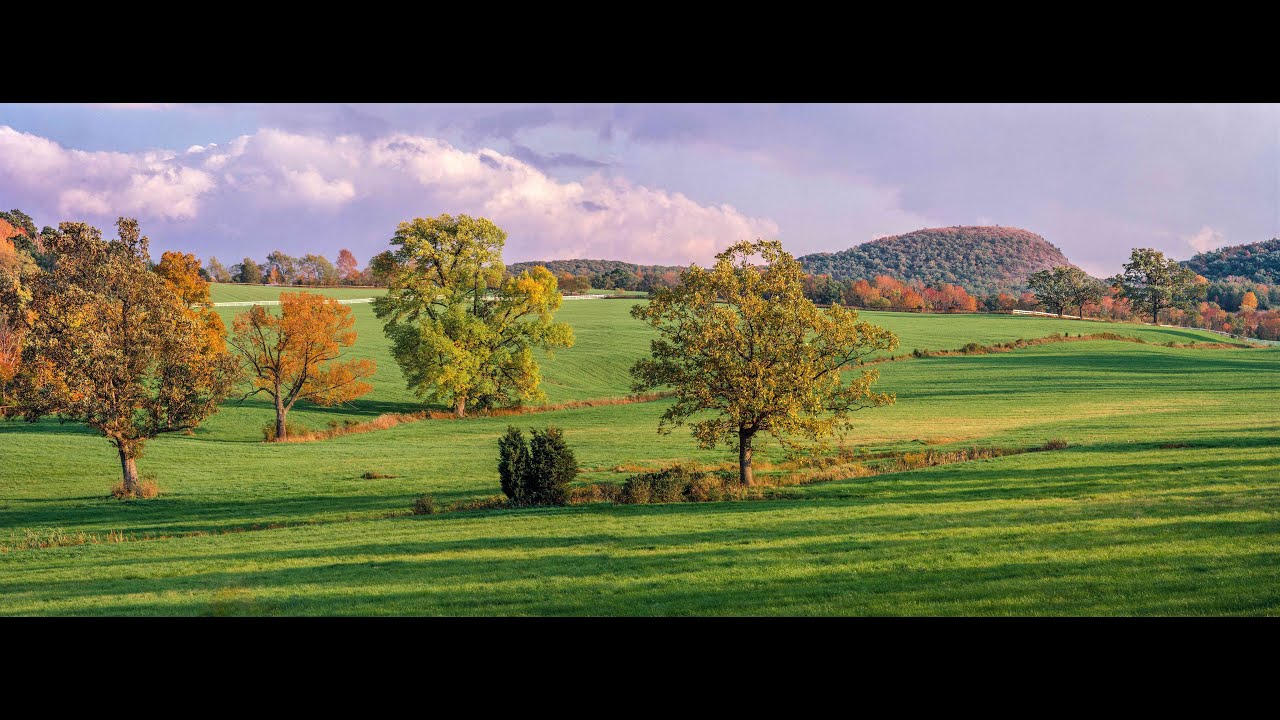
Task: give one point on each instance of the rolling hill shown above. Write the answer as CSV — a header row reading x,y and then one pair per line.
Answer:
x,y
1259,262
981,259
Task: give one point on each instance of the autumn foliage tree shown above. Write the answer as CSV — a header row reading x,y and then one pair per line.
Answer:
x,y
746,352
115,346
462,332
17,270
296,355
348,268
182,273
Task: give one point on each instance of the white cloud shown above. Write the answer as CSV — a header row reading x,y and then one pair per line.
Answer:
x,y
260,182
1206,239
101,183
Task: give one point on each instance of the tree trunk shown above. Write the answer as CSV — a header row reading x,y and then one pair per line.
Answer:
x,y
1155,315
282,431
460,407
745,475
129,468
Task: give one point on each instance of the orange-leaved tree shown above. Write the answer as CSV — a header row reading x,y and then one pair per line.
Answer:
x,y
296,355
182,272
17,269
112,345
348,268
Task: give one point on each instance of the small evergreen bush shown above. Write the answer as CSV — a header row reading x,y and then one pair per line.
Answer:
x,y
537,472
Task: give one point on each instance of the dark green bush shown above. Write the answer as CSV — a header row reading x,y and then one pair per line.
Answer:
x,y
513,458
537,472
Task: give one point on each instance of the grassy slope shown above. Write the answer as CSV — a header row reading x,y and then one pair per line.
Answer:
x,y
220,292
1116,524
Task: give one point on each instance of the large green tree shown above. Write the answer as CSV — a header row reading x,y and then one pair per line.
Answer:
x,y
747,353
247,271
115,346
1063,287
1152,282
462,332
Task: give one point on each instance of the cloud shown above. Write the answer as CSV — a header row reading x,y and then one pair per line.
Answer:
x,y
316,192
553,160
1206,239
100,183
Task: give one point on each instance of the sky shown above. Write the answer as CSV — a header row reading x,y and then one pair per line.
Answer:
x,y
649,183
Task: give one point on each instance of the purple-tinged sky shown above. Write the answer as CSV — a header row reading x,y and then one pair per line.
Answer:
x,y
650,183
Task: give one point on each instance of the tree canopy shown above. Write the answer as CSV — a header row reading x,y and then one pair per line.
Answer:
x,y
296,355
1065,286
746,352
116,346
461,332
1151,282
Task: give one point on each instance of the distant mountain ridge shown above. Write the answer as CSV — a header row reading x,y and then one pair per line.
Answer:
x,y
982,259
1259,262
590,267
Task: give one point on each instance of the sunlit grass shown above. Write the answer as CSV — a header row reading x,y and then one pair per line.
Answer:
x,y
1166,501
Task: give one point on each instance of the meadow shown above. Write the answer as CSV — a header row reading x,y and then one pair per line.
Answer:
x,y
1166,500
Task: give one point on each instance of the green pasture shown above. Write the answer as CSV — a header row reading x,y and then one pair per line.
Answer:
x,y
1166,502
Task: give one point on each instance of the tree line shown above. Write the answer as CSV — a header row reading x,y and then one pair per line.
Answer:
x,y
1152,288
310,270
133,349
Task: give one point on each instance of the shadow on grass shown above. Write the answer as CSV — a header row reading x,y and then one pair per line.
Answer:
x,y
992,563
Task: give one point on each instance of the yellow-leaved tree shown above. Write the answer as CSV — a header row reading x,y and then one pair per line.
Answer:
x,y
296,355
116,347
746,352
462,332
1249,303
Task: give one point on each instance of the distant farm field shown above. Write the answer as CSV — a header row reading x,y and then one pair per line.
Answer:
x,y
1167,500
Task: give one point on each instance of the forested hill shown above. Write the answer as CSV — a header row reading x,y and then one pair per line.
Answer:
x,y
1259,262
590,267
980,259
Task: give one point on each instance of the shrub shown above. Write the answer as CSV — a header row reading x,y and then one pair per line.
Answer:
x,y
919,353
291,428
493,502
513,458
371,475
673,484
552,466
972,347
1056,444
595,492
537,472
147,489
424,505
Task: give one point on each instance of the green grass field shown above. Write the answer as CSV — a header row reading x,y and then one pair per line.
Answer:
x,y
1166,502
220,292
